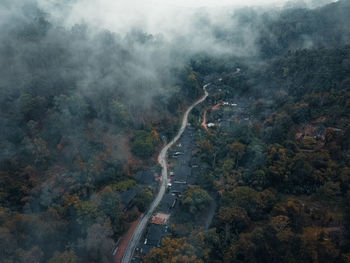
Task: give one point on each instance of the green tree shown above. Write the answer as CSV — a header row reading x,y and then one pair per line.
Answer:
x,y
118,113
144,144
238,150
246,198
174,250
99,242
64,257
195,199
110,206
143,199
232,221
206,181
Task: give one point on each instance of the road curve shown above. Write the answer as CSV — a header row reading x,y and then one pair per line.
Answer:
x,y
129,251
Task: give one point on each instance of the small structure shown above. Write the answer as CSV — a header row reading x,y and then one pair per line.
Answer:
x,y
210,125
127,196
168,203
181,173
146,177
153,238
160,219
178,188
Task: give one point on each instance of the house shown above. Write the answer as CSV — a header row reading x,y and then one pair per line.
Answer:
x,y
181,173
146,177
160,219
168,203
153,238
127,196
179,188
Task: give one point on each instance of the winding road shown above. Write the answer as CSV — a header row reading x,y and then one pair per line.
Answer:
x,y
129,251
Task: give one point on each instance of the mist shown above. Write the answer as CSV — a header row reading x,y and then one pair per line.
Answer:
x,y
158,17
78,80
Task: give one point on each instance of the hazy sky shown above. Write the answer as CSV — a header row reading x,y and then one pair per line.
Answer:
x,y
199,3
153,16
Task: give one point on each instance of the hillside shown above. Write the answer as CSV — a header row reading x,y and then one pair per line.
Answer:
x,y
84,112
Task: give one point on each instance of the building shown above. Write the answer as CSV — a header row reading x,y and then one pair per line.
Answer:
x,y
160,219
127,196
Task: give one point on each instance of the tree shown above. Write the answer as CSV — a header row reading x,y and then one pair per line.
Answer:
x,y
227,167
64,257
118,113
110,205
174,250
143,199
238,150
27,105
301,179
232,221
99,243
317,246
246,198
8,242
280,223
78,106
39,149
144,144
208,150
331,190
206,181
241,251
87,212
34,255
195,200
257,179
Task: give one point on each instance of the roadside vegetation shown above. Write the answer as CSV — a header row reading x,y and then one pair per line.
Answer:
x,y
281,179
81,114
68,151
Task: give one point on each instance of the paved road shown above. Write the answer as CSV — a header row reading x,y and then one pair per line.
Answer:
x,y
129,251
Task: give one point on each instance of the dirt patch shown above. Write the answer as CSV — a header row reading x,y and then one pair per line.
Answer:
x,y
216,107
204,122
125,240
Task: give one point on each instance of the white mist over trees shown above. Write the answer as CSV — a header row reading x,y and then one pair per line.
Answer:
x,y
88,89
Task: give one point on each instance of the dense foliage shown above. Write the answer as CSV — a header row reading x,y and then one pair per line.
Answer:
x,y
280,171
81,112
73,133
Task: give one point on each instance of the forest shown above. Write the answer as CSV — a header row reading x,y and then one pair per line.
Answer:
x,y
82,112
282,180
74,133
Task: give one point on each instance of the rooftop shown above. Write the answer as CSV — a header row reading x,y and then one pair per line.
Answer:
x,y
146,177
127,196
178,188
181,172
167,202
160,219
155,234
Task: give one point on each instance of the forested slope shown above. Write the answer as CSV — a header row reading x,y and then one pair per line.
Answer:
x,y
81,111
280,172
